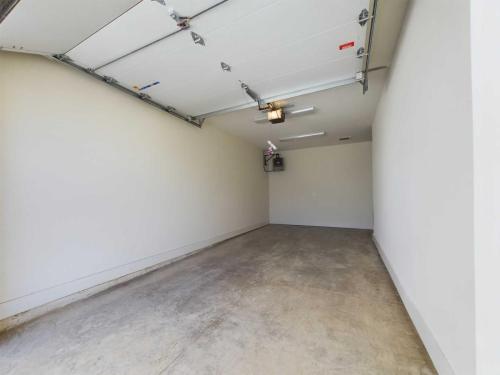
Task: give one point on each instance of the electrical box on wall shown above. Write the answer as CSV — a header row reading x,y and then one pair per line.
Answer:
x,y
278,163
274,163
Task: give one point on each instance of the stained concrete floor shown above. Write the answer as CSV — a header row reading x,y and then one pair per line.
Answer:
x,y
278,300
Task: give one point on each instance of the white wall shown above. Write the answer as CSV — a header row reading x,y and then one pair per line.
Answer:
x,y
95,184
486,99
423,179
324,186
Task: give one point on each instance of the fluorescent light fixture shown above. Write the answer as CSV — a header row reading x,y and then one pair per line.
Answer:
x,y
288,112
271,144
302,136
300,111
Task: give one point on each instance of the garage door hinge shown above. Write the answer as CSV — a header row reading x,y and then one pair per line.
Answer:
x,y
363,17
63,57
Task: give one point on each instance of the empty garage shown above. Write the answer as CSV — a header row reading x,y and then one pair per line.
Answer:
x,y
249,187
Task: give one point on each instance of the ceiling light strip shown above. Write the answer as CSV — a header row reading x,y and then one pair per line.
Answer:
x,y
302,110
302,136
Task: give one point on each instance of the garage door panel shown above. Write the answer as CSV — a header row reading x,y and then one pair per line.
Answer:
x,y
189,8
55,26
146,22
308,78
274,46
176,62
282,23
184,101
149,20
302,55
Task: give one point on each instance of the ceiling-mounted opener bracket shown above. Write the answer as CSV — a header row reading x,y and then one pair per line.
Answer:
x,y
275,112
262,106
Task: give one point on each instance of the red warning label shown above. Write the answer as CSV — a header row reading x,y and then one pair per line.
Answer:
x,y
346,45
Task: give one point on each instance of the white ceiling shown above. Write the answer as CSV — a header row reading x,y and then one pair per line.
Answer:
x,y
342,111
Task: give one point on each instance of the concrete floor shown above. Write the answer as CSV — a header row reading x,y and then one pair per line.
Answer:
x,y
278,300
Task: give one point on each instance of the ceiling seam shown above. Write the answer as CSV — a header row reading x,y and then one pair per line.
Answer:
x,y
102,27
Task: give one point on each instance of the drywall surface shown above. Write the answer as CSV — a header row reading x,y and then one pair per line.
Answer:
x,y
95,184
486,98
423,179
325,186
